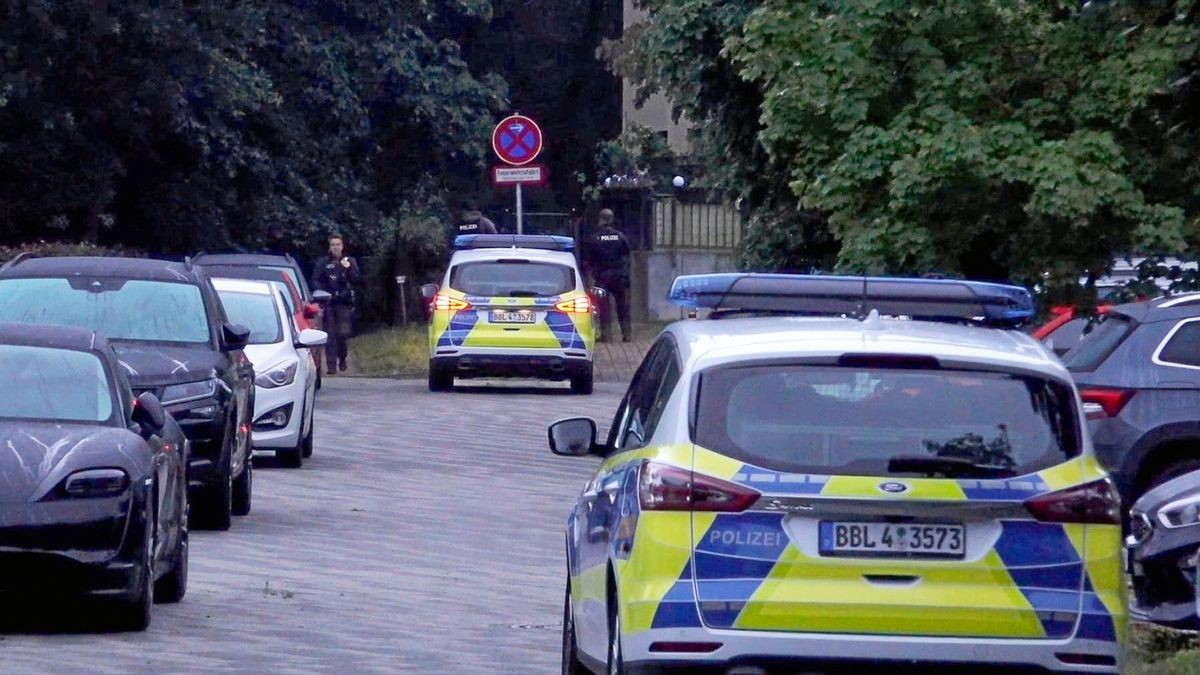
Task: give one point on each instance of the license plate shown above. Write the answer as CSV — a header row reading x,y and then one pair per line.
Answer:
x,y
501,316
905,540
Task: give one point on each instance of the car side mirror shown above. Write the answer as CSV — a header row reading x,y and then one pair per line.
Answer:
x,y
428,291
312,338
321,297
148,413
575,437
234,336
312,309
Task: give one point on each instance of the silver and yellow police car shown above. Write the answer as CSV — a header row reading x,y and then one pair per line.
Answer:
x,y
834,472
511,306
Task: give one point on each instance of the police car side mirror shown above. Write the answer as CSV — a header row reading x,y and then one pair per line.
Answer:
x,y
428,291
575,437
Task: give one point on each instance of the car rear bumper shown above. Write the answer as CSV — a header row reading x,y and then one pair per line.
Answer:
x,y
766,652
553,364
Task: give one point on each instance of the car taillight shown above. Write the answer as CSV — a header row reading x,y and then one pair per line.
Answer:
x,y
1102,403
445,302
670,488
580,305
1095,503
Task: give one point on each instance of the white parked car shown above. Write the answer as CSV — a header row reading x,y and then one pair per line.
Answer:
x,y
285,373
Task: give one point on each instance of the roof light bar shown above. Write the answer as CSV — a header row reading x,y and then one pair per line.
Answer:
x,y
930,299
539,241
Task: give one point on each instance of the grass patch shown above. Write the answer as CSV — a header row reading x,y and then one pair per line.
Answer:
x,y
1162,651
396,352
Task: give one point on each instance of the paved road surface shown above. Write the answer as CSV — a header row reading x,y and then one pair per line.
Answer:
x,y
424,536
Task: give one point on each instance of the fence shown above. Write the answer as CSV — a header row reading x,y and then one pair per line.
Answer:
x,y
688,223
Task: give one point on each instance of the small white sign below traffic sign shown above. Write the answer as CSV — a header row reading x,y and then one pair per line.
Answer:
x,y
519,175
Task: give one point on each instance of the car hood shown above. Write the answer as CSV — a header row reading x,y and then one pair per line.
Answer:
x,y
158,365
264,357
36,457
1182,486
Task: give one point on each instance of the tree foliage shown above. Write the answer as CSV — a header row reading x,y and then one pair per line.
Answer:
x,y
997,138
176,125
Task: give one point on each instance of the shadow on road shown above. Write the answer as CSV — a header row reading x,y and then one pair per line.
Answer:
x,y
47,615
510,389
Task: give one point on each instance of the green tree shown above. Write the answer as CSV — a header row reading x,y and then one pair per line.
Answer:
x,y
992,138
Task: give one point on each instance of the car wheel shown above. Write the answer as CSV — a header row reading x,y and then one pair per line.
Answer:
x,y
571,665
216,504
582,383
616,660
242,489
173,585
440,379
134,614
307,446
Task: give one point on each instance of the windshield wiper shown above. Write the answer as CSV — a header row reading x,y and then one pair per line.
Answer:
x,y
951,467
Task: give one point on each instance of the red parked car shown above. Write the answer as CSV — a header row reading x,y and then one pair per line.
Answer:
x,y
1065,329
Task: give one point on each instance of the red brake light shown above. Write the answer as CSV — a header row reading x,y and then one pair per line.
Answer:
x,y
1095,503
580,305
445,302
1101,403
670,488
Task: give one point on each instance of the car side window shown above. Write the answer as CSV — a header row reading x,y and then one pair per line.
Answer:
x,y
640,412
1183,347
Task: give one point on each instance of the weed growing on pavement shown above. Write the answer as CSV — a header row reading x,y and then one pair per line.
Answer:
x,y
271,592
1162,651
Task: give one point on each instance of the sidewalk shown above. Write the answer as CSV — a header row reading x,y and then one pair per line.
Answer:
x,y
616,361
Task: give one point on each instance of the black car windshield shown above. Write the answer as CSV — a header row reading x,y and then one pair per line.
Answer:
x,y
512,278
58,385
1095,346
255,311
872,421
121,309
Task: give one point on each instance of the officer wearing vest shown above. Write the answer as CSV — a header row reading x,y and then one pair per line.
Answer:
x,y
472,221
608,263
337,275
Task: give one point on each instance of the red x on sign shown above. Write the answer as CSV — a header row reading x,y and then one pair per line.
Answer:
x,y
517,140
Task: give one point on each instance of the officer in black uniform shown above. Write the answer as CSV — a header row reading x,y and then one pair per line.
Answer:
x,y
608,263
337,275
472,221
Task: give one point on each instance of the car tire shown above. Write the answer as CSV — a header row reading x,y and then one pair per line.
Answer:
x,y
243,488
307,445
439,378
616,658
173,585
216,503
571,665
133,615
583,382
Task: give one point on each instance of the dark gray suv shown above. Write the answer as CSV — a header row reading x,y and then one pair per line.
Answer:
x,y
1138,373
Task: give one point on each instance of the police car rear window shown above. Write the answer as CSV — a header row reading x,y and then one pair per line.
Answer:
x,y
512,278
839,420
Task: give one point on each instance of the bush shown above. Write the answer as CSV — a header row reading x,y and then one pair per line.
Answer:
x,y
45,249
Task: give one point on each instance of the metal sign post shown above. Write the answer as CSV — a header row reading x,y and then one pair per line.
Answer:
x,y
517,141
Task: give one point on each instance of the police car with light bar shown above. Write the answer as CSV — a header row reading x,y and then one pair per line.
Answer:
x,y
511,306
838,471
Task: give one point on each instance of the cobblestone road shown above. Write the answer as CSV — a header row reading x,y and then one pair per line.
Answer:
x,y
424,536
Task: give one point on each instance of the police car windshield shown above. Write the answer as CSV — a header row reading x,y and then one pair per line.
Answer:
x,y
512,278
861,421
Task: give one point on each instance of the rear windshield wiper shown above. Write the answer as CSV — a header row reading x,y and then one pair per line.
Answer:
x,y
952,467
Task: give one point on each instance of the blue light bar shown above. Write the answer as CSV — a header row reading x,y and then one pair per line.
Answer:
x,y
544,242
931,299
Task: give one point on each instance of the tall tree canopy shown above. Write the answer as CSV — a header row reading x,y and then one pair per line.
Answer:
x,y
994,138
176,125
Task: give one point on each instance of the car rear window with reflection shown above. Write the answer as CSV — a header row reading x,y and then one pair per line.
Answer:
x,y
512,278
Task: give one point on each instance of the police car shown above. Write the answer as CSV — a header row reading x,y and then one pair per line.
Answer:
x,y
511,306
786,488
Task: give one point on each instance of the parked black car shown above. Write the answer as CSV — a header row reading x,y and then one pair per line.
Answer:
x,y
173,339
1138,373
1163,543
93,482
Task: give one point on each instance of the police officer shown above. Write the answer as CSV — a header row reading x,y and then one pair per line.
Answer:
x,y
472,221
608,263
337,275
